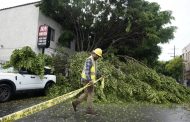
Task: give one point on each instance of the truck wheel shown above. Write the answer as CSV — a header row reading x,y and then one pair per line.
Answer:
x,y
5,92
47,87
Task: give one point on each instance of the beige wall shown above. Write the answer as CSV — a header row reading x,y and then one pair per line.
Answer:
x,y
19,27
186,58
48,21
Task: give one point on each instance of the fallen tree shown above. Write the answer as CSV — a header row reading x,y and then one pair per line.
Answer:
x,y
27,59
127,80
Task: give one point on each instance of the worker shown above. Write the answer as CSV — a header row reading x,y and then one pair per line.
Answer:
x,y
88,76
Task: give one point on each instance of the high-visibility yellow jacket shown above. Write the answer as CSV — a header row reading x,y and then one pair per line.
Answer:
x,y
89,70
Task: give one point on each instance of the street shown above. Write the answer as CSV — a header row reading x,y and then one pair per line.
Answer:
x,y
131,112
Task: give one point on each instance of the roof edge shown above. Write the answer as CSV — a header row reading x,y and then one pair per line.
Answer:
x,y
20,5
186,46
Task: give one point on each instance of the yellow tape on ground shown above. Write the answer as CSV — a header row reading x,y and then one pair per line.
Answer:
x,y
41,106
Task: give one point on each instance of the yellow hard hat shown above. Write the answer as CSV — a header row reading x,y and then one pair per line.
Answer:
x,y
98,52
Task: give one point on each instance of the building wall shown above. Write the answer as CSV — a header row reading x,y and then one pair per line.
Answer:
x,y
18,28
186,58
58,30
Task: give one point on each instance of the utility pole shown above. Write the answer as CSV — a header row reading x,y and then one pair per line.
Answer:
x,y
174,52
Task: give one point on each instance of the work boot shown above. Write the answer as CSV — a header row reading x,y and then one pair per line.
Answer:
x,y
90,111
74,104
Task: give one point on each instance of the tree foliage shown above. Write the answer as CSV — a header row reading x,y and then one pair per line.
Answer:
x,y
160,67
132,27
126,80
26,58
172,68
175,68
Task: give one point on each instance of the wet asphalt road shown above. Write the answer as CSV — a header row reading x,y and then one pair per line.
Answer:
x,y
106,112
20,102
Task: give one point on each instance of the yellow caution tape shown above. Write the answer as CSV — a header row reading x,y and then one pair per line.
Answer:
x,y
102,84
44,105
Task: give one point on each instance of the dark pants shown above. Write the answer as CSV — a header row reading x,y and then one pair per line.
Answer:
x,y
87,95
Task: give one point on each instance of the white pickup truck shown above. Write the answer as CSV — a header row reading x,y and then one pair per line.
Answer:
x,y
10,83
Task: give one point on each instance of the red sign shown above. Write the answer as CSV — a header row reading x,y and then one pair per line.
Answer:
x,y
43,36
43,30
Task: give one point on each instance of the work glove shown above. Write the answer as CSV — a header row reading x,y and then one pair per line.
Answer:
x,y
102,84
91,82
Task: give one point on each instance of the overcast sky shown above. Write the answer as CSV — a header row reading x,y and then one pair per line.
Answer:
x,y
180,9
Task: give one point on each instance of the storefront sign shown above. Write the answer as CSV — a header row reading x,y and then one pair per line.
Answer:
x,y
44,36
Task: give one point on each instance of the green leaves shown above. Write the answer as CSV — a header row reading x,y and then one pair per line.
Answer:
x,y
173,68
66,38
22,58
127,80
132,27
27,59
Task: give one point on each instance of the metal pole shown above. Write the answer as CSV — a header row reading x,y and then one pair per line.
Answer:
x,y
174,51
43,50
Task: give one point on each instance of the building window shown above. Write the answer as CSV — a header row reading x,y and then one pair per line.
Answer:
x,y
52,36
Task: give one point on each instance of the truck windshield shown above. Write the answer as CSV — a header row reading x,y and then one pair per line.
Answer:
x,y
8,70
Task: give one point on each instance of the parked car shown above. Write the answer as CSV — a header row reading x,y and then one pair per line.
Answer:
x,y
12,81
